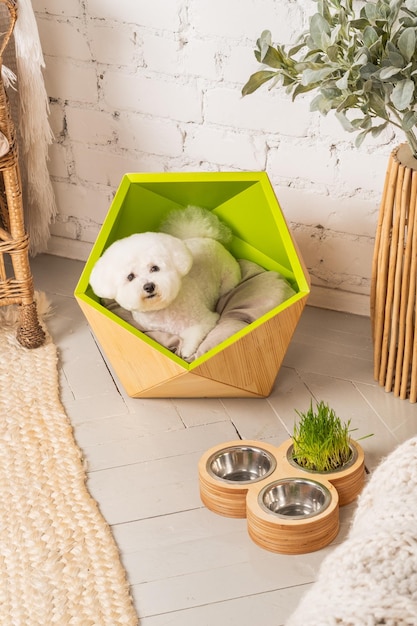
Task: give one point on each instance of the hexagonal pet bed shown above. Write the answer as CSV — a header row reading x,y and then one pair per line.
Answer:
x,y
246,363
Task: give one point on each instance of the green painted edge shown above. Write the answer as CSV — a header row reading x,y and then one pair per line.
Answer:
x,y
287,238
185,177
104,232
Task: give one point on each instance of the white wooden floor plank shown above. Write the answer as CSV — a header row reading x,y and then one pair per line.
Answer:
x,y
197,411
225,583
118,451
319,360
147,489
399,416
253,418
194,541
272,607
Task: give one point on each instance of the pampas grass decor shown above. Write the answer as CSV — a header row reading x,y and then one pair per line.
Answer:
x,y
34,128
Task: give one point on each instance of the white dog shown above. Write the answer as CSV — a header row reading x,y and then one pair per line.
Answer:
x,y
171,280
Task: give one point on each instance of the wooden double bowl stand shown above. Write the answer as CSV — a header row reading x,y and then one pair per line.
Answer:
x,y
289,510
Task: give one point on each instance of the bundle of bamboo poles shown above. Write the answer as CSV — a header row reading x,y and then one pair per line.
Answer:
x,y
394,279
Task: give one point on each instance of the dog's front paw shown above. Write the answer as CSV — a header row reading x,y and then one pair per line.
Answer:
x,y
188,347
193,336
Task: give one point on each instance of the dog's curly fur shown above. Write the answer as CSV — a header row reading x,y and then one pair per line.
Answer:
x,y
171,280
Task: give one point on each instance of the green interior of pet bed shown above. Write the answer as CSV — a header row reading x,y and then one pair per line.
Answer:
x,y
246,202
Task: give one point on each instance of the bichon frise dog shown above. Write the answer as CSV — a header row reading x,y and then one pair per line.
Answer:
x,y
171,280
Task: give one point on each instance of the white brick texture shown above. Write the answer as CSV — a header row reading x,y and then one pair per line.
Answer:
x,y
148,86
65,37
67,8
155,96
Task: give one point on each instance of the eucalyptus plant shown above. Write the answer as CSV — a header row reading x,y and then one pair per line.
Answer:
x,y
359,62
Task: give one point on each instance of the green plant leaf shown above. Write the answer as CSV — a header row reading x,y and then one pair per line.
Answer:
x,y
321,104
377,130
323,9
409,120
319,29
376,50
402,94
362,59
360,138
367,86
370,36
299,89
330,92
411,5
388,72
360,52
360,24
371,12
270,57
368,71
392,10
343,82
264,43
377,104
407,43
256,80
333,53
315,76
357,123
348,103
296,49
366,123
409,21
341,116
394,56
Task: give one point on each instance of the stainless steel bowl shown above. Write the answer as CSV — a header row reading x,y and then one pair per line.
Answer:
x,y
241,464
294,498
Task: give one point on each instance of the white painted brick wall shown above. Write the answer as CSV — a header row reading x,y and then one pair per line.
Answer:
x,y
229,149
114,47
68,80
67,8
139,85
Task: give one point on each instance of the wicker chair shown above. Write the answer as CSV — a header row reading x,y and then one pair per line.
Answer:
x,y
16,282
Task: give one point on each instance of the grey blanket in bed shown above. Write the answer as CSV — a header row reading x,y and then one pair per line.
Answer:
x,y
258,292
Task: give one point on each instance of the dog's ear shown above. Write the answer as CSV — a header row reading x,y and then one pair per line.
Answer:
x,y
103,278
181,257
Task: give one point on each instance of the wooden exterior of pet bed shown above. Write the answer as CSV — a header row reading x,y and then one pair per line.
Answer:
x,y
16,283
246,364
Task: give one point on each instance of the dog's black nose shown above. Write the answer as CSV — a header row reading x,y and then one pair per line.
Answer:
x,y
149,287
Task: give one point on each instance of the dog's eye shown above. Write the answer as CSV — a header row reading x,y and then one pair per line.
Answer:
x,y
154,268
130,276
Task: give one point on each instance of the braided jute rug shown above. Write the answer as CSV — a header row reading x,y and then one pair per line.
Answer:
x,y
59,563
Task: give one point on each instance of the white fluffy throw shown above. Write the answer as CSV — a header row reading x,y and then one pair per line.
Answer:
x,y
371,578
